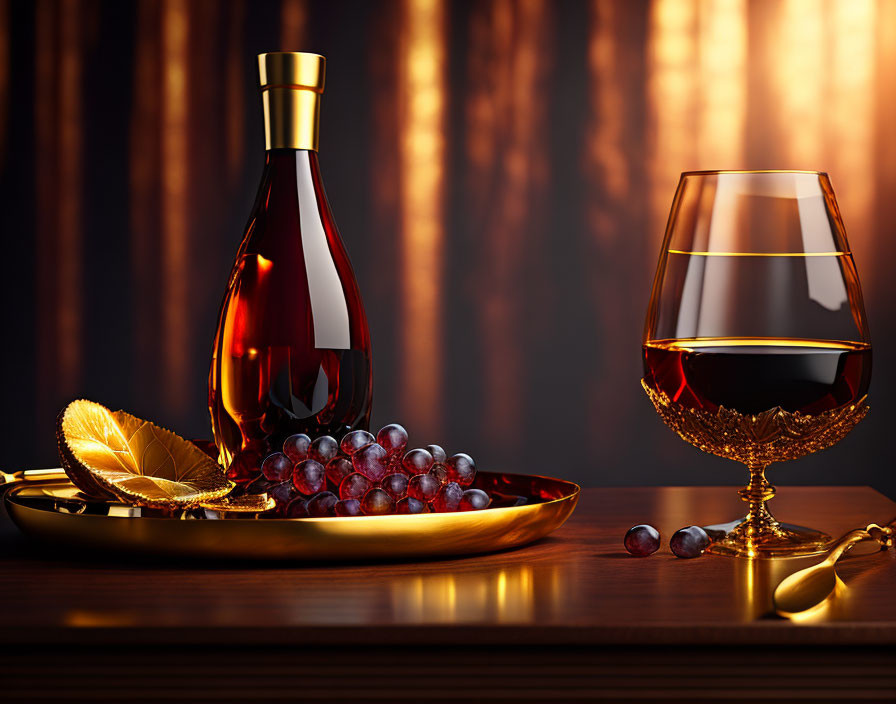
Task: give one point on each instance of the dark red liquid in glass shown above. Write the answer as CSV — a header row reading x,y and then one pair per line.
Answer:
x,y
292,349
751,376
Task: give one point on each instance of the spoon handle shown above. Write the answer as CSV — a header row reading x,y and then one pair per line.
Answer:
x,y
885,534
847,541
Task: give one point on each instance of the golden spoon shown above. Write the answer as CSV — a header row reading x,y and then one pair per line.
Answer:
x,y
808,587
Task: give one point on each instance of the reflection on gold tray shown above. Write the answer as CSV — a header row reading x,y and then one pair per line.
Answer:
x,y
57,511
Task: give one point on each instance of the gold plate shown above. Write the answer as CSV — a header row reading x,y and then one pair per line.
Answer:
x,y
56,511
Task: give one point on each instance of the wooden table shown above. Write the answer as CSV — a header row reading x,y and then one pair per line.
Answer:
x,y
571,618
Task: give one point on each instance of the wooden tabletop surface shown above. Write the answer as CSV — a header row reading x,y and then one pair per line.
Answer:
x,y
577,586
571,618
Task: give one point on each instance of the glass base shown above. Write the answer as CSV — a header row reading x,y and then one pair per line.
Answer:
x,y
764,538
757,440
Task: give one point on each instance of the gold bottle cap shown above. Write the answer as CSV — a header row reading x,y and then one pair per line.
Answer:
x,y
291,85
294,69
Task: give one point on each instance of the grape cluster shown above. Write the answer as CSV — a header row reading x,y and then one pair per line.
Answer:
x,y
361,475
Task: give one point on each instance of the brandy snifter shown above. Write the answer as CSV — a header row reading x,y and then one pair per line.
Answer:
x,y
756,346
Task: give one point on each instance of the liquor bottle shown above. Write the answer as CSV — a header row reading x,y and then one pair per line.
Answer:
x,y
292,348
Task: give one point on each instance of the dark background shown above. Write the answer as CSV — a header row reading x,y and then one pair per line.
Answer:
x,y
501,173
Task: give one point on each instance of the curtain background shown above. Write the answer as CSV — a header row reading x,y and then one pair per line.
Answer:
x,y
500,171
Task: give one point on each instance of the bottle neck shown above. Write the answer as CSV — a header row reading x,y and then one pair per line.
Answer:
x,y
291,117
284,171
288,162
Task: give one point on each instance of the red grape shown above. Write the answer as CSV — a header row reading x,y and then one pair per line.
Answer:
x,y
409,505
393,437
296,447
298,508
347,507
354,486
355,440
323,449
417,462
309,477
642,540
396,485
448,498
438,454
371,462
277,467
461,469
440,473
423,487
377,502
283,493
474,500
689,542
338,469
322,504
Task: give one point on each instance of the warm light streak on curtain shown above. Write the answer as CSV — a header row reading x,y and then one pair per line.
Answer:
x,y
508,83
176,338
144,162
824,66
606,157
234,96
797,67
422,162
886,103
380,249
69,299
851,113
59,152
293,20
45,192
723,84
885,156
697,91
611,173
672,63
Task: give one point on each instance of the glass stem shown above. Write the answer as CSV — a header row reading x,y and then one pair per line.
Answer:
x,y
756,494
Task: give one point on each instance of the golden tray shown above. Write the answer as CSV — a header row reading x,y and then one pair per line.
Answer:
x,y
43,507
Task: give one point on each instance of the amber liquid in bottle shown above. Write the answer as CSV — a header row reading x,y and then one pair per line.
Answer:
x,y
292,349
755,375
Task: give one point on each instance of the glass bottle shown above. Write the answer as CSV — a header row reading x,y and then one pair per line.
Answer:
x,y
292,348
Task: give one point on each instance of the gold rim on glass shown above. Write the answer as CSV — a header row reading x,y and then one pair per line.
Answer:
x,y
711,172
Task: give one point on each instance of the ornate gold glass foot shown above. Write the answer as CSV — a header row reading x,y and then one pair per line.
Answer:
x,y
771,540
757,441
759,534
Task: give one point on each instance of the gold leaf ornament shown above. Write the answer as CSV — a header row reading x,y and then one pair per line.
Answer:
x,y
114,455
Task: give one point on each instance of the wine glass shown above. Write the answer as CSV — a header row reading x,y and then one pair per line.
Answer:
x,y
756,347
